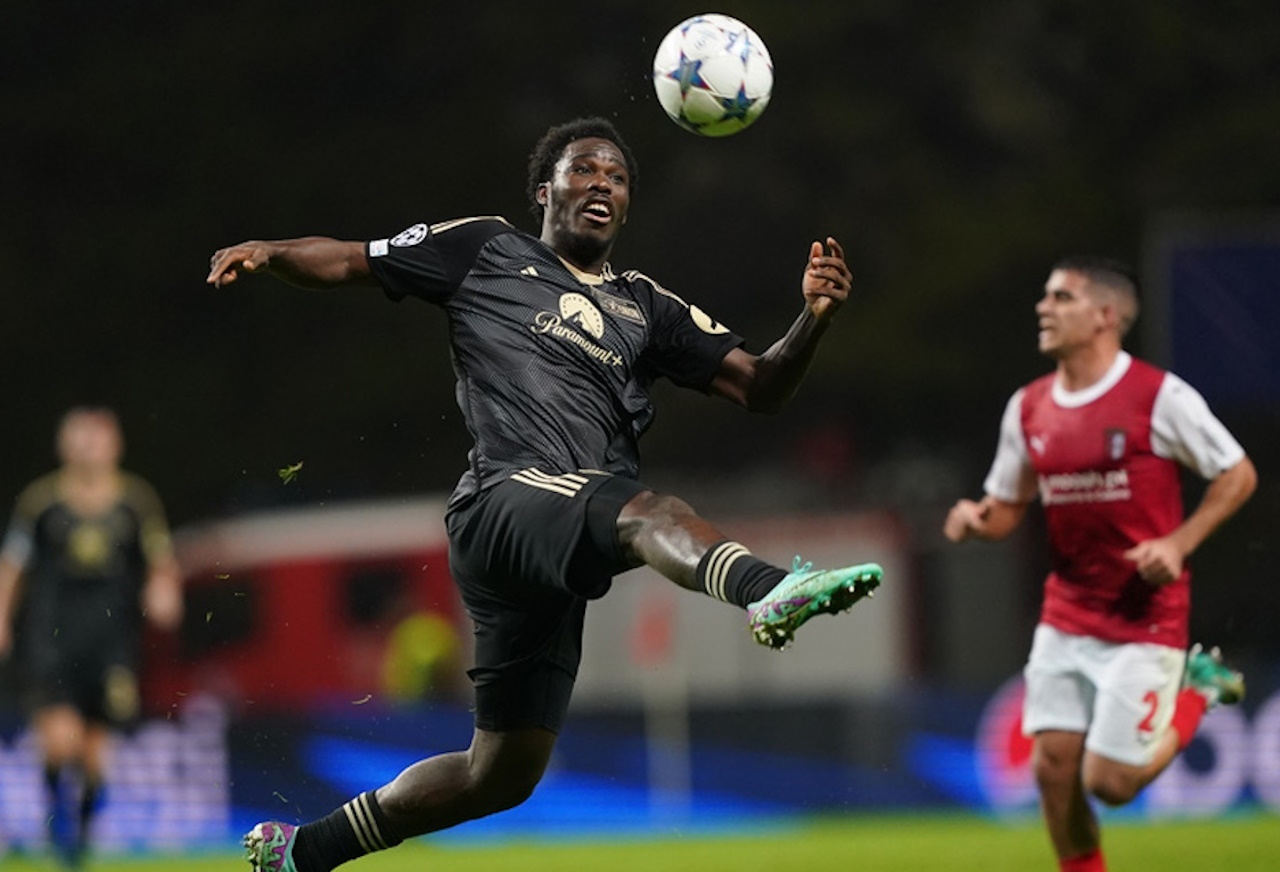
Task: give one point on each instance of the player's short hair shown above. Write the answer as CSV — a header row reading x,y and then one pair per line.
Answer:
x,y
547,153
1112,274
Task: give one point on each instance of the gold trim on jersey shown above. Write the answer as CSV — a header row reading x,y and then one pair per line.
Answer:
x,y
633,274
457,222
704,321
586,278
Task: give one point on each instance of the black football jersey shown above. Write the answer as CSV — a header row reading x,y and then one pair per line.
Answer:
x,y
83,574
553,365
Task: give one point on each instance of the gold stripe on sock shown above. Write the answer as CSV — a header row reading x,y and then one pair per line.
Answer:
x,y
356,828
718,568
371,823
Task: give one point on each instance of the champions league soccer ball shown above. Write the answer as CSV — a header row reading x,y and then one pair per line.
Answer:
x,y
713,75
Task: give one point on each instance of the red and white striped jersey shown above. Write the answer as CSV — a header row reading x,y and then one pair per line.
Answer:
x,y
1104,462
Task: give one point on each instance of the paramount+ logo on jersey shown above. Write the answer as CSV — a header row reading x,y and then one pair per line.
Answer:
x,y
577,316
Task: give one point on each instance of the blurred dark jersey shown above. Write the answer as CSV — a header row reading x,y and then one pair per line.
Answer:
x,y
553,366
82,575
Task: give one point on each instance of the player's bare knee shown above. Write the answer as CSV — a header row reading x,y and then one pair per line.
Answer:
x,y
647,514
509,787
1055,766
1113,787
511,794
650,508
1052,772
505,773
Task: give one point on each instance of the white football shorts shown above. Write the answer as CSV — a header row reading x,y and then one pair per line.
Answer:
x,y
1121,695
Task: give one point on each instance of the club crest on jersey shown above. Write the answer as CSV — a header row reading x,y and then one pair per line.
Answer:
x,y
89,545
1115,443
410,237
622,308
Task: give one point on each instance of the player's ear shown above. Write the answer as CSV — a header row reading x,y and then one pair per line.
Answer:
x,y
540,193
1110,314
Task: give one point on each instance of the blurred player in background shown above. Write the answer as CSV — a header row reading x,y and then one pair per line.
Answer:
x,y
554,354
86,557
1101,440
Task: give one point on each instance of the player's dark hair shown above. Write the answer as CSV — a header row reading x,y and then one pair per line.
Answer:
x,y
1110,273
549,150
1103,270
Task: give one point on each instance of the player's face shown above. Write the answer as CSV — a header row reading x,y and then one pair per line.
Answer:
x,y
586,201
1070,317
90,441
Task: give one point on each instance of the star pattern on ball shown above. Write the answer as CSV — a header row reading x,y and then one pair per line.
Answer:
x,y
687,74
737,106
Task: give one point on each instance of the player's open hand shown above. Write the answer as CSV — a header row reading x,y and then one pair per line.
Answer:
x,y
1159,561
226,263
965,518
827,278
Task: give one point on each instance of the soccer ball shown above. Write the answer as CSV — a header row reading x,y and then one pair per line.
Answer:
x,y
713,75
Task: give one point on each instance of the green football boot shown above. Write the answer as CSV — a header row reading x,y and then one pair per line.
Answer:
x,y
269,847
1211,678
805,592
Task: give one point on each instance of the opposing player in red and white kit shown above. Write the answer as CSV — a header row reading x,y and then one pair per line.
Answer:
x,y
1112,696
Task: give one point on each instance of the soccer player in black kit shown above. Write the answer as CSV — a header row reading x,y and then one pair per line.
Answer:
x,y
85,558
554,354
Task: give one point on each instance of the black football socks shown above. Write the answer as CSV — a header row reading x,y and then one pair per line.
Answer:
x,y
728,572
357,828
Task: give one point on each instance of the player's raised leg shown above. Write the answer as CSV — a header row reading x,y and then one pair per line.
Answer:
x,y
1205,682
666,533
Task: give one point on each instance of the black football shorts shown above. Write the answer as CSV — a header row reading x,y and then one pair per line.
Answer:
x,y
527,554
102,692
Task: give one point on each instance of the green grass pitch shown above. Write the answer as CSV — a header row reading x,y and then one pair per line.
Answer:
x,y
909,843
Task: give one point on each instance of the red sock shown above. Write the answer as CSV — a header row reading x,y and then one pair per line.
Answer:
x,y
1091,862
1187,712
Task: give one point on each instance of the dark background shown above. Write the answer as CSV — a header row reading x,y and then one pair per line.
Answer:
x,y
955,149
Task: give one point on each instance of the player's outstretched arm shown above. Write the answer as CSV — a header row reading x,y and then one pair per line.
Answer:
x,y
315,262
765,382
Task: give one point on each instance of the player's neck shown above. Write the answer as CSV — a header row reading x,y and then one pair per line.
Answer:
x,y
584,276
575,265
1086,367
89,489
581,256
